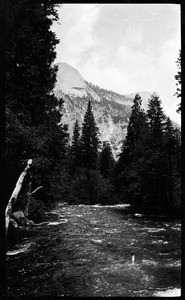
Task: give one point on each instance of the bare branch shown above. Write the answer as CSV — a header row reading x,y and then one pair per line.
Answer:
x,y
40,187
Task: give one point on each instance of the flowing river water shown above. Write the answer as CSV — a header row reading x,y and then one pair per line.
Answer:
x,y
83,250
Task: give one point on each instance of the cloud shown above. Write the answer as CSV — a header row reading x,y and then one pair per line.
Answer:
x,y
131,71
76,31
127,71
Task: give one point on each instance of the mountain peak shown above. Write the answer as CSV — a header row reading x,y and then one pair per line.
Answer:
x,y
71,82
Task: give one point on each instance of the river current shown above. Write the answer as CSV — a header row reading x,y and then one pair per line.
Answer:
x,y
83,250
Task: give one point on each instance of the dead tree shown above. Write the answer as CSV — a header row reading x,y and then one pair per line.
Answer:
x,y
15,194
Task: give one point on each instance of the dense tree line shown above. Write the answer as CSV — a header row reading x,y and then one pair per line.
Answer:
x,y
148,171
89,167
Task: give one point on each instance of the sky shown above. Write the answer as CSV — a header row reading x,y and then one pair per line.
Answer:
x,y
125,48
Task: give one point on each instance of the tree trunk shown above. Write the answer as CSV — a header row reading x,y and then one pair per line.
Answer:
x,y
15,194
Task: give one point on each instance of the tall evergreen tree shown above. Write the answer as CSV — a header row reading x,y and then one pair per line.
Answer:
x,y
75,149
156,119
134,125
89,140
156,123
30,54
32,118
106,160
171,158
131,151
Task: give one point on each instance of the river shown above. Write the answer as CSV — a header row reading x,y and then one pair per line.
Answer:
x,y
83,250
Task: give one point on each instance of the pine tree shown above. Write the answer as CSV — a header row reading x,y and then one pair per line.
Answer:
x,y
106,160
156,119
169,135
172,158
75,149
133,129
156,123
137,124
89,140
148,172
127,182
30,54
32,118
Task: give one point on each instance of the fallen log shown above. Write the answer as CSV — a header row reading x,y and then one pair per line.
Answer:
x,y
15,194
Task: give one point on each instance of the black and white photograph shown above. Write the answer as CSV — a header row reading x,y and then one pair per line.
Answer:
x,y
93,150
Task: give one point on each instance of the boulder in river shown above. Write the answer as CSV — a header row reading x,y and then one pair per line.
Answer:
x,y
19,218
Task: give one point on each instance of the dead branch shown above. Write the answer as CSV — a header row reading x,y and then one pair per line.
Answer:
x,y
29,199
40,187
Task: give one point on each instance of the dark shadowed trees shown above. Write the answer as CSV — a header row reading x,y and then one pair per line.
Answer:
x,y
148,170
126,184
89,140
106,160
32,115
75,150
156,124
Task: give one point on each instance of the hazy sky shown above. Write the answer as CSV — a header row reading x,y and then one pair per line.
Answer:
x,y
123,47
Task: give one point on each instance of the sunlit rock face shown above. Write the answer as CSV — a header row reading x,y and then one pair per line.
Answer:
x,y
111,110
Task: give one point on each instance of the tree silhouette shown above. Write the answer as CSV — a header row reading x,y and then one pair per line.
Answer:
x,y
89,140
75,150
106,162
32,116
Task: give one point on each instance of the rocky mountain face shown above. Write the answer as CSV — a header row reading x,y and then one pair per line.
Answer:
x,y
111,110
